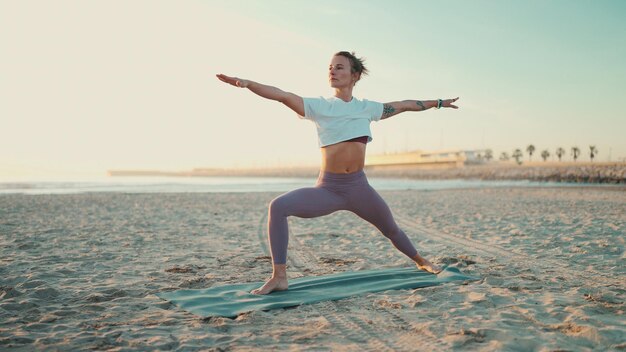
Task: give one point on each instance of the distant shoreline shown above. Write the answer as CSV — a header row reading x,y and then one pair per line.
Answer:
x,y
610,173
579,172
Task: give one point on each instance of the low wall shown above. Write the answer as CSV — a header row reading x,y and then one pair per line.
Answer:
x,y
592,173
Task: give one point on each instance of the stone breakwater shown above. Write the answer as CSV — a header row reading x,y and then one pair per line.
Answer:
x,y
614,173
588,173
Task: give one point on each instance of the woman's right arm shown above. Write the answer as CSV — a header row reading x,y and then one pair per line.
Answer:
x,y
291,100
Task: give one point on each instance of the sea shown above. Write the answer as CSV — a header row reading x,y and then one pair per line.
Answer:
x,y
241,184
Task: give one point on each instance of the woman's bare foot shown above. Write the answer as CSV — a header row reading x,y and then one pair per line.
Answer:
x,y
424,264
273,284
278,281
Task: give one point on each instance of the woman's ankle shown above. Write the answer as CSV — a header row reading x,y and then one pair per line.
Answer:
x,y
279,271
419,259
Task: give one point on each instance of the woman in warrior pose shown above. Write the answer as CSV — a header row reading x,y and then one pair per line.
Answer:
x,y
343,129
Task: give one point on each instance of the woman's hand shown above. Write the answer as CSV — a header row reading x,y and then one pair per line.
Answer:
x,y
447,103
237,82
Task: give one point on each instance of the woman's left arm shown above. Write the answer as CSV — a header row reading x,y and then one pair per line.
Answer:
x,y
396,107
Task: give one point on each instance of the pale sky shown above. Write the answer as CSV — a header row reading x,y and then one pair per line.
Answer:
x,y
88,86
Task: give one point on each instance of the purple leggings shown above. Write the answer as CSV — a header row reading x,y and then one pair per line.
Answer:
x,y
333,192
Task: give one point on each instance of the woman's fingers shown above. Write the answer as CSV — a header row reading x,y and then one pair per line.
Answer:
x,y
230,80
237,82
448,103
222,77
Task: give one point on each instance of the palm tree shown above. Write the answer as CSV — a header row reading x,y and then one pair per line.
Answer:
x,y
530,149
488,154
504,156
545,154
592,151
575,153
560,152
517,155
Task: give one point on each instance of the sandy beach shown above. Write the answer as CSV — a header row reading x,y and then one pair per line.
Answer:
x,y
80,272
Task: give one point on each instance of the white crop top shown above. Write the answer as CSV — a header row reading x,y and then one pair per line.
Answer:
x,y
338,121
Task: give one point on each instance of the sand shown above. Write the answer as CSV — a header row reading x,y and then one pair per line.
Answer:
x,y
79,272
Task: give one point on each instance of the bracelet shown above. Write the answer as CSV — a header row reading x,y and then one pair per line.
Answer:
x,y
439,102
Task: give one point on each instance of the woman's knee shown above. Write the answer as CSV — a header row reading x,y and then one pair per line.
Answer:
x,y
278,206
286,204
392,231
306,203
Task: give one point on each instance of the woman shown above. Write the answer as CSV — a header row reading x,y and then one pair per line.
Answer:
x,y
343,129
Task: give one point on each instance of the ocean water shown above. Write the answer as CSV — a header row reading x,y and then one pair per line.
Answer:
x,y
240,184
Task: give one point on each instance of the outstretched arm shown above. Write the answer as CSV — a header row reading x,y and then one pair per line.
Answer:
x,y
396,107
291,100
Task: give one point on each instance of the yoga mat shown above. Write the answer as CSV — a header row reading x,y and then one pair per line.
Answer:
x,y
231,300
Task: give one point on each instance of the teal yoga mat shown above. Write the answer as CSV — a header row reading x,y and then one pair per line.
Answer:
x,y
231,300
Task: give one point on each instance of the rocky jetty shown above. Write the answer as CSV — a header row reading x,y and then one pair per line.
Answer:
x,y
614,173
583,173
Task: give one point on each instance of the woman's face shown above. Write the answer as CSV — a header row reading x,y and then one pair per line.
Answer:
x,y
339,74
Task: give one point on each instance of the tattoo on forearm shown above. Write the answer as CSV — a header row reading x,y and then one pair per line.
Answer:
x,y
419,103
388,110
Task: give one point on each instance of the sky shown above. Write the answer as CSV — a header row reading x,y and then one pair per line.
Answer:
x,y
91,86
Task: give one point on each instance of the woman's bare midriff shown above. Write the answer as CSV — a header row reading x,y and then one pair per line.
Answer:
x,y
343,157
